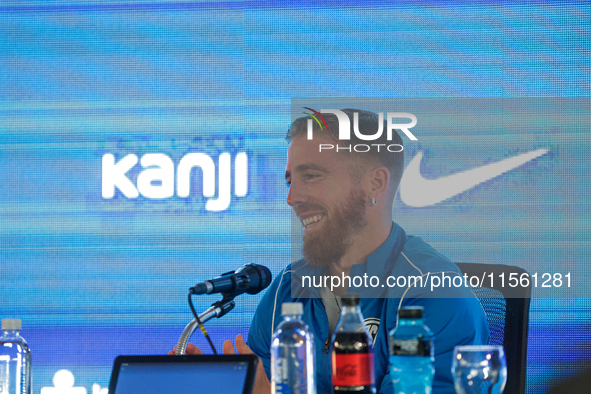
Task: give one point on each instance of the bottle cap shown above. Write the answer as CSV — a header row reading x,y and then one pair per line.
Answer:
x,y
292,308
350,300
11,324
411,312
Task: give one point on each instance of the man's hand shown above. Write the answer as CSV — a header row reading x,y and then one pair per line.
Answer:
x,y
261,383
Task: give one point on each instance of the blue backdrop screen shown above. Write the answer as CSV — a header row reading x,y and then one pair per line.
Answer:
x,y
105,105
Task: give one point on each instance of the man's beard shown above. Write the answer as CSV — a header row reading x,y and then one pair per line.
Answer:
x,y
330,243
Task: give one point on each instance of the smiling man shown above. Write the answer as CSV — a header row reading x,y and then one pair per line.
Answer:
x,y
343,200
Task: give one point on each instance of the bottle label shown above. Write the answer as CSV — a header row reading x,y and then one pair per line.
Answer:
x,y
411,347
280,388
286,380
352,369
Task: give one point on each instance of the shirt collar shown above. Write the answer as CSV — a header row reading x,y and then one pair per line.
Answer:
x,y
380,262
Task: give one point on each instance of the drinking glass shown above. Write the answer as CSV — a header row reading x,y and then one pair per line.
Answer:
x,y
479,369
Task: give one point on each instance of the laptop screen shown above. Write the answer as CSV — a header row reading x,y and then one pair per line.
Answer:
x,y
164,375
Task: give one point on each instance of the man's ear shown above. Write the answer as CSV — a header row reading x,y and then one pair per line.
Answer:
x,y
376,182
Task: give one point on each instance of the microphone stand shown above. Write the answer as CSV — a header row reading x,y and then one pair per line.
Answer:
x,y
217,309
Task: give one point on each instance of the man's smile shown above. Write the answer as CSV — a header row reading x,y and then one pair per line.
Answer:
x,y
312,221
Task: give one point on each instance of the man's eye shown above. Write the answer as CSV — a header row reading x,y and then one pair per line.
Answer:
x,y
310,176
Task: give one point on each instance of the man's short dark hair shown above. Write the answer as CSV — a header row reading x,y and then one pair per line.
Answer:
x,y
368,125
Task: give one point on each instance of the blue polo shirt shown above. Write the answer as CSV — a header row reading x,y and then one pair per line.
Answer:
x,y
453,313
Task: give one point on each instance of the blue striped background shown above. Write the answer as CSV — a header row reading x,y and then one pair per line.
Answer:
x,y
94,278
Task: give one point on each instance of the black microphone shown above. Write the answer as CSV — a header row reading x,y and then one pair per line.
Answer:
x,y
250,278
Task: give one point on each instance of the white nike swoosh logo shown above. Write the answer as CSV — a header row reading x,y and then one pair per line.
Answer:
x,y
416,191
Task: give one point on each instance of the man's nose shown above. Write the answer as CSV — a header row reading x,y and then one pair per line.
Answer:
x,y
294,197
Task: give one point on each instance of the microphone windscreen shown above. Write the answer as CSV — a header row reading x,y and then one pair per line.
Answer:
x,y
259,277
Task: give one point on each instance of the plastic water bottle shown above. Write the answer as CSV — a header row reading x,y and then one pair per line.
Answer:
x,y
15,359
412,353
293,354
